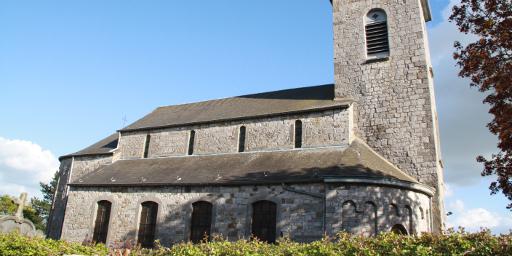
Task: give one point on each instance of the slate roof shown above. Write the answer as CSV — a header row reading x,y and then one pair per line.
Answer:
x,y
288,101
303,165
102,147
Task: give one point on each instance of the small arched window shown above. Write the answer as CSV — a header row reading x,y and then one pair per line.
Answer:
x,y
201,221
298,134
101,223
264,221
376,28
191,139
399,229
241,139
147,226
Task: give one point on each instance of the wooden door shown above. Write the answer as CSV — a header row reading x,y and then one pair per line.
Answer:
x,y
201,221
264,221
101,223
147,226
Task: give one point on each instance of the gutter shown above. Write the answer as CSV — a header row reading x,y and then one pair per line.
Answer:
x,y
418,187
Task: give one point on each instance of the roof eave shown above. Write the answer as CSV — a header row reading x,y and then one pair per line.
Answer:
x,y
86,154
418,187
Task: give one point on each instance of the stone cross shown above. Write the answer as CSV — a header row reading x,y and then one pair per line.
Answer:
x,y
21,205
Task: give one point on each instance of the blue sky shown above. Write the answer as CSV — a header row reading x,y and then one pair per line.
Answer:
x,y
71,71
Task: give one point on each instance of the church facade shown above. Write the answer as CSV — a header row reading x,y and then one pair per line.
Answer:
x,y
361,155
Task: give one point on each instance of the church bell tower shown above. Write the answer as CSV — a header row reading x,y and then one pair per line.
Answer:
x,y
382,63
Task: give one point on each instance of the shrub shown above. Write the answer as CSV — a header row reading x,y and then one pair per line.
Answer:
x,y
451,243
15,244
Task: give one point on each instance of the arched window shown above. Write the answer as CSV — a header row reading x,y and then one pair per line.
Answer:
x,y
264,221
191,142
147,226
241,139
201,221
399,229
298,134
376,27
101,223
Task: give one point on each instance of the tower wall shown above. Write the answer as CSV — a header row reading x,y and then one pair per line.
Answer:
x,y
394,105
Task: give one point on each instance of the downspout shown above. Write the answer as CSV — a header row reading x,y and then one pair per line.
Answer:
x,y
311,194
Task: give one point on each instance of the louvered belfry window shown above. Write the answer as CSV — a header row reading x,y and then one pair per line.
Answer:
x,y
201,221
264,221
101,223
377,41
147,226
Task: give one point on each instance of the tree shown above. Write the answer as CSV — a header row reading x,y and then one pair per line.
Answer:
x,y
43,206
9,207
488,63
39,209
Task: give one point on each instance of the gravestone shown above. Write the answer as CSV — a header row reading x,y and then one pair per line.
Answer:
x,y
17,223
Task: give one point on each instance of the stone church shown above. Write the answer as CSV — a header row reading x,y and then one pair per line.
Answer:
x,y
361,155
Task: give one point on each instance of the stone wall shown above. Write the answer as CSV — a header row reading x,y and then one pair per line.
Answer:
x,y
83,165
326,128
394,109
299,215
54,225
368,210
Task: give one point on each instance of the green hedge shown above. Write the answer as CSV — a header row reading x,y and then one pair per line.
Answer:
x,y
452,243
14,244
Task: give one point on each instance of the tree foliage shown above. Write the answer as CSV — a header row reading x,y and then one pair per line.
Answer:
x,y
38,210
43,206
488,63
9,207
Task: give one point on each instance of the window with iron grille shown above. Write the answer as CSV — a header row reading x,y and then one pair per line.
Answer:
x,y
147,226
264,221
201,221
101,223
241,139
376,28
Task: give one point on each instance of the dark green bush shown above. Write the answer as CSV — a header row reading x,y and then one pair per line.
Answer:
x,y
452,243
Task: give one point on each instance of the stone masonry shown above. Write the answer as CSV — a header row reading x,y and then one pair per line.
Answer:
x,y
300,216
394,109
322,129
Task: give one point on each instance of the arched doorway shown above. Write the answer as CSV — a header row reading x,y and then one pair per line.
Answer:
x,y
101,223
147,225
264,221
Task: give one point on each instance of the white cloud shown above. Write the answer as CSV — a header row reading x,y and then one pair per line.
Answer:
x,y
448,192
476,218
23,164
